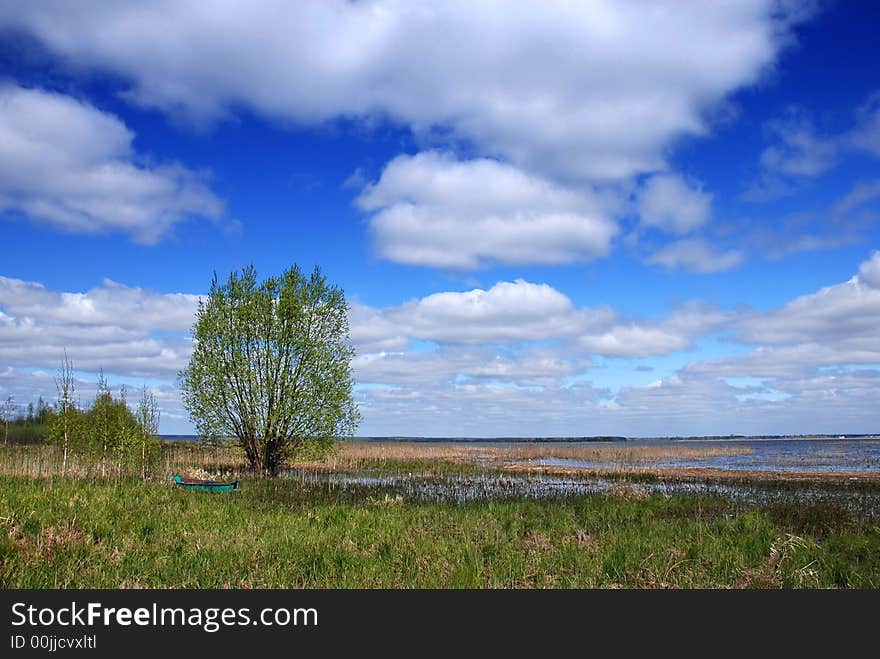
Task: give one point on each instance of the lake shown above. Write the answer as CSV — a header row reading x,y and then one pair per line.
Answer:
x,y
788,455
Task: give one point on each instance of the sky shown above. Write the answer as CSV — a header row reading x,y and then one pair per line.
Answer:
x,y
549,218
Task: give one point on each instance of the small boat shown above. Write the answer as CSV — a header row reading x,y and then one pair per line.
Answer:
x,y
207,486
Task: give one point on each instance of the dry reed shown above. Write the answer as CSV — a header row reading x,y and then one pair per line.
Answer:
x,y
355,454
43,460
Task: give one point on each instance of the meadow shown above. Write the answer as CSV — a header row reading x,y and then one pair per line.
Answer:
x,y
300,532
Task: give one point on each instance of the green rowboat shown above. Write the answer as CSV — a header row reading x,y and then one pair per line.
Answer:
x,y
207,486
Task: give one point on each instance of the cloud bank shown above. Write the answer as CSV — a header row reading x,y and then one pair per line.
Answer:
x,y
515,358
591,90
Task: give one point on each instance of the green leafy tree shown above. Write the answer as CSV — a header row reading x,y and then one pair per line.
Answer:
x,y
113,430
125,432
147,415
271,366
66,426
101,423
8,410
44,411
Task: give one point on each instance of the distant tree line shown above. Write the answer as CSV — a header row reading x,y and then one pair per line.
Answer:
x,y
108,434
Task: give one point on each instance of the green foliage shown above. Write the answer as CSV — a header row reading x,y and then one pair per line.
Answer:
x,y
22,431
148,448
271,366
121,442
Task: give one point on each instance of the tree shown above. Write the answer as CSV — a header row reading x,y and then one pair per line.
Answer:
x,y
125,432
66,425
271,366
147,416
44,411
8,414
101,421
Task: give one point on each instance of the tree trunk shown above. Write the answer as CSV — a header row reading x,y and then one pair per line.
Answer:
x,y
64,462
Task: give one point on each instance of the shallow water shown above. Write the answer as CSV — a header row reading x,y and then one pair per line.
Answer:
x,y
467,488
791,455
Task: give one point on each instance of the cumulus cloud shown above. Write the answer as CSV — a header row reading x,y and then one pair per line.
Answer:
x,y
431,209
642,339
522,312
523,367
109,304
508,311
520,332
515,358
371,331
66,163
669,203
869,271
844,314
592,90
686,403
815,364
124,330
696,255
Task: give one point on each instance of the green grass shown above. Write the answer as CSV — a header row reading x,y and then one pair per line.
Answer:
x,y
60,533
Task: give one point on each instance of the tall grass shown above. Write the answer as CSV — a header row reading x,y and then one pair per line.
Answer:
x,y
62,532
360,454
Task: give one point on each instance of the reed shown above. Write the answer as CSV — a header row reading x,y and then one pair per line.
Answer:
x,y
361,454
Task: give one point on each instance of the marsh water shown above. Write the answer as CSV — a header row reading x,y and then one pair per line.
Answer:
x,y
463,488
856,456
788,455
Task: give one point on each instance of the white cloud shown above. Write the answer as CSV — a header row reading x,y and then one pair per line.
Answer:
x,y
669,203
507,312
848,210
682,404
109,304
866,135
869,271
674,333
800,152
514,359
525,367
125,331
592,90
522,312
65,163
817,344
845,222
371,331
430,209
842,315
697,255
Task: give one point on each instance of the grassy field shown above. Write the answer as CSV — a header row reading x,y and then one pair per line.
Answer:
x,y
58,533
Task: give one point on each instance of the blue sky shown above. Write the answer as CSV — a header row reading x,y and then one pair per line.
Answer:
x,y
558,219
